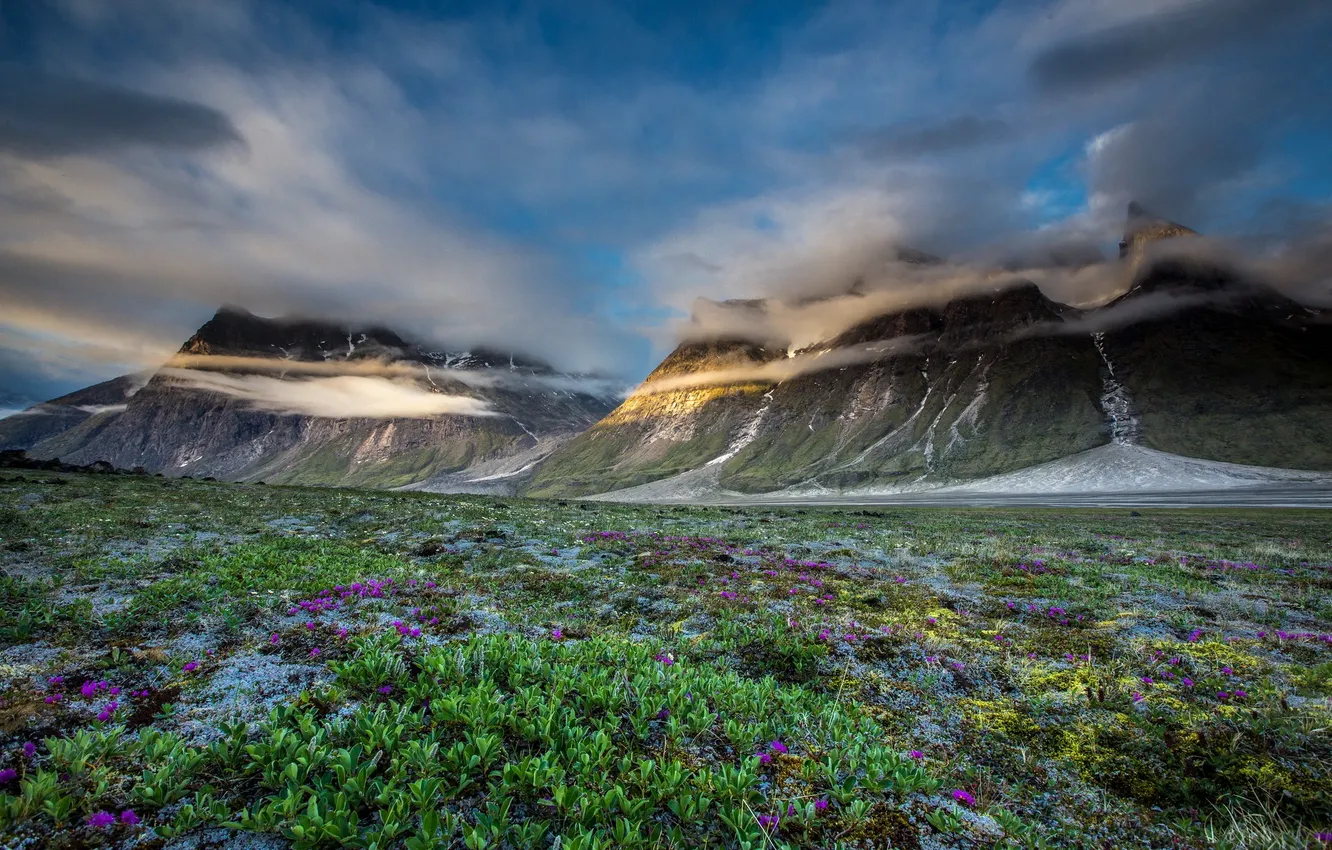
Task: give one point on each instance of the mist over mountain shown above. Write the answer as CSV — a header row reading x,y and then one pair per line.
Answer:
x,y
301,402
1196,358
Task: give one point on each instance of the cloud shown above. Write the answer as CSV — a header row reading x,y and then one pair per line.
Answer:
x,y
44,115
497,377
340,397
952,134
363,367
777,371
465,179
331,209
1175,35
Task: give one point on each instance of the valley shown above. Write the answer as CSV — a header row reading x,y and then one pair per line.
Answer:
x,y
184,663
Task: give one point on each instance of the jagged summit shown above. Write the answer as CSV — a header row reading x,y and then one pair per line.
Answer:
x,y
1142,228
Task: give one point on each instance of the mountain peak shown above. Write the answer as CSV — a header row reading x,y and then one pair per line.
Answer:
x,y
1143,228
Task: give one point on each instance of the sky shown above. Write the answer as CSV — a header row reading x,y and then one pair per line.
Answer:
x,y
568,179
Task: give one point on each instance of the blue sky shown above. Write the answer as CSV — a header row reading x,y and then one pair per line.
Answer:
x,y
567,178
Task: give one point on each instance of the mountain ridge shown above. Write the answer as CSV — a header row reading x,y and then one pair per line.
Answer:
x,y
1194,360
173,426
1220,368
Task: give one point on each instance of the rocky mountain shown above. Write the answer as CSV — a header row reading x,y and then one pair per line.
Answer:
x,y
88,408
1191,361
204,421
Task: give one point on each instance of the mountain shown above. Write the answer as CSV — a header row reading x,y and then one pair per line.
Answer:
x,y
235,412
1223,367
88,408
1191,361
970,391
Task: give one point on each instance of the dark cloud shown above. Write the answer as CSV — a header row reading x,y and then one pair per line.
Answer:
x,y
954,134
46,115
1178,158
1173,37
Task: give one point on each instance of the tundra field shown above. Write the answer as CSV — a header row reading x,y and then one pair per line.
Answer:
x,y
188,664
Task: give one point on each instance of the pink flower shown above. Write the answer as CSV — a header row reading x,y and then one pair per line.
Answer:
x,y
29,749
8,775
556,634
191,666
275,639
779,747
386,689
820,805
765,758
963,797
916,754
128,817
314,653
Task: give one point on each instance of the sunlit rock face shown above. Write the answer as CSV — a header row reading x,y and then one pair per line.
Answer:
x,y
1144,228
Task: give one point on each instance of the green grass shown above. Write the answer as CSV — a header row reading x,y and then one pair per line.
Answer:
x,y
615,676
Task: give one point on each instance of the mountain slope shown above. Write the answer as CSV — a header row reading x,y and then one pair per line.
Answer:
x,y
1193,361
27,428
962,394
177,426
1243,375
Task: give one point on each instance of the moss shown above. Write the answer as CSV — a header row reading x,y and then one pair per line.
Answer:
x,y
1004,718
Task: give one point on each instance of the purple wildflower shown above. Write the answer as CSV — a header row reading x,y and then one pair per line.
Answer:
x,y
128,817
916,754
765,758
101,820
556,634
8,775
191,666
820,805
386,689
779,747
963,797
275,639
29,749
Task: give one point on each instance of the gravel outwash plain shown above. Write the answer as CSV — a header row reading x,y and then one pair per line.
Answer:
x,y
190,664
